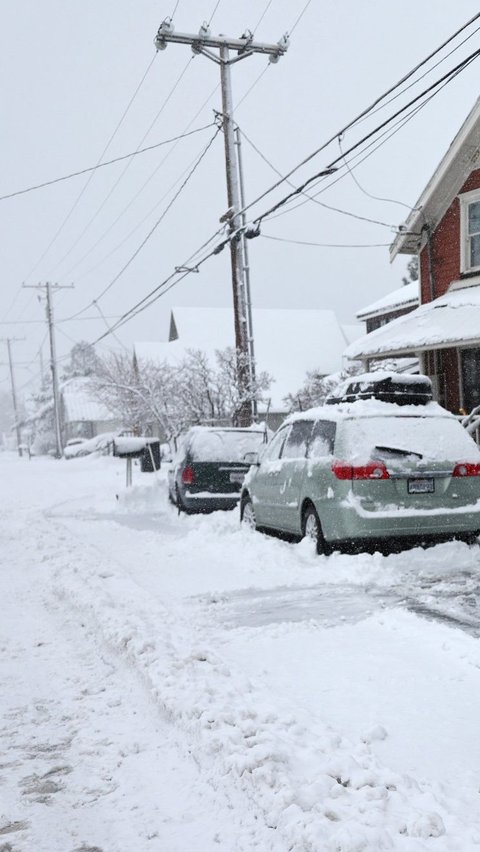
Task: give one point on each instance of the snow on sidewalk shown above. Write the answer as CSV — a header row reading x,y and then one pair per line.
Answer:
x,y
295,775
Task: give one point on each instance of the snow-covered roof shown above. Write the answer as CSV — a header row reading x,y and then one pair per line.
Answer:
x,y
451,320
288,342
402,297
460,159
80,405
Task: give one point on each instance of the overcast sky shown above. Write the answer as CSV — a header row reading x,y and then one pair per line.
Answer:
x,y
69,72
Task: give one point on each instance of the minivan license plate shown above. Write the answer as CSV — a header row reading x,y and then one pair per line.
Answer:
x,y
421,486
237,477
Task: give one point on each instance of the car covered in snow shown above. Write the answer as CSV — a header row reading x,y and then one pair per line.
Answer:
x,y
77,447
209,467
380,462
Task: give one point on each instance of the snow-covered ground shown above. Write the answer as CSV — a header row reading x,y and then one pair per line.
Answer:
x,y
172,683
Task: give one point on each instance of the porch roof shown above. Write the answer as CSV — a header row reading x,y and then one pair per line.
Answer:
x,y
449,321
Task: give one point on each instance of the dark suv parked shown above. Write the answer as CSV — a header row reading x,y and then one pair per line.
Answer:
x,y
209,467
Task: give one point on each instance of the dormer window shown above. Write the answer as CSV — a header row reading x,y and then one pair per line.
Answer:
x,y
470,231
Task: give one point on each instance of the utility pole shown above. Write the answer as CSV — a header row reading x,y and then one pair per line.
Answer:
x,y
53,357
203,42
9,341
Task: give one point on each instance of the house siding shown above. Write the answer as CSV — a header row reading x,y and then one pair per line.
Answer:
x,y
445,248
382,319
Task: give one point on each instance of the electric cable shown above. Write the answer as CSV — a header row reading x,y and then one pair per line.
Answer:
x,y
217,4
324,245
155,226
363,113
105,163
127,165
134,198
84,188
299,18
312,197
328,169
127,236
267,7
421,77
373,146
159,290
362,189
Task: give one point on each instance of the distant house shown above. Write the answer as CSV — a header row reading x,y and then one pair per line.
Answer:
x,y
82,415
396,304
443,229
288,343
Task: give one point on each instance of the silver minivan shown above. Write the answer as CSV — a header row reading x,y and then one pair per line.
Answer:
x,y
363,470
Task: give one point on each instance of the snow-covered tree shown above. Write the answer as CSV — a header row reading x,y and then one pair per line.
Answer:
x,y
83,361
234,397
317,387
174,397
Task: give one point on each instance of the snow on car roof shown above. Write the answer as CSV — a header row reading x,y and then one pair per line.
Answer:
x,y
369,408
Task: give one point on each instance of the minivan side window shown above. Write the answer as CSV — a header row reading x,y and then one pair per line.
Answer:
x,y
322,440
297,441
274,448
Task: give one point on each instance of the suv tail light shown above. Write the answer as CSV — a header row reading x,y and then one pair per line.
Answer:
x,y
370,470
466,469
188,475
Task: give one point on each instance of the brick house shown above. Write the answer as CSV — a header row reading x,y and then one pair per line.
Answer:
x,y
443,229
395,304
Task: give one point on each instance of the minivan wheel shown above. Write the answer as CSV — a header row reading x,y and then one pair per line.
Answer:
x,y
312,529
247,516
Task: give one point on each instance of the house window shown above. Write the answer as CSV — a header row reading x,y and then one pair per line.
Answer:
x,y
470,225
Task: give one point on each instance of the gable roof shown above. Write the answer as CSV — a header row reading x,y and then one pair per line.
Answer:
x,y
403,297
450,175
451,320
79,403
288,342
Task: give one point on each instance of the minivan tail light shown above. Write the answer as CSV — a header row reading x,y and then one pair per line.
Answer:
x,y
370,470
188,475
466,469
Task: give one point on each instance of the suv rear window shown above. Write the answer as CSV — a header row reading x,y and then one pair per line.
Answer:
x,y
224,445
434,438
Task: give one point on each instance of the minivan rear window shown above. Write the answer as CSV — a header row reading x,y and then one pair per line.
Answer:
x,y
225,445
431,438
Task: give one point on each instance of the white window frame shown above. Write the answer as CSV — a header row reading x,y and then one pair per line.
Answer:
x,y
465,200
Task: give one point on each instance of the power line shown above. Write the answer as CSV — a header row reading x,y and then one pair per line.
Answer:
x,y
312,197
299,18
373,146
124,239
422,76
267,7
155,226
174,279
364,112
135,153
324,245
217,4
331,166
134,198
84,188
127,165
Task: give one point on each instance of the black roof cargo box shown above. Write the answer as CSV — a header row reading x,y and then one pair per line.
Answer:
x,y
400,389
